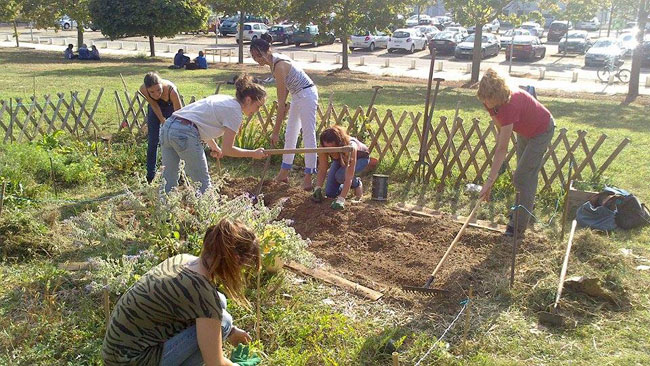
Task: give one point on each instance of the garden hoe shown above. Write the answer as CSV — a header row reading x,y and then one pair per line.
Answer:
x,y
552,317
426,289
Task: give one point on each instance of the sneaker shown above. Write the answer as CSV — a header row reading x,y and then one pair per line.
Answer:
x,y
358,192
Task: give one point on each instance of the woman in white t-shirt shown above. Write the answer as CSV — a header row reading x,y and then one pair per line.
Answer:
x,y
205,120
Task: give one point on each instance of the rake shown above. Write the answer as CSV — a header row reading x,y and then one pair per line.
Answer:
x,y
426,289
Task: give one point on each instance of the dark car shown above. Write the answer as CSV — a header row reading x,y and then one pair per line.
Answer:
x,y
527,47
489,47
310,34
282,33
445,42
558,29
577,41
645,54
229,25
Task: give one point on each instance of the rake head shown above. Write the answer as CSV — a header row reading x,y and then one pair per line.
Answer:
x,y
426,289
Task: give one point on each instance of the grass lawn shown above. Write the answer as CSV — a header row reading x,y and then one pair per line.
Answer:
x,y
47,317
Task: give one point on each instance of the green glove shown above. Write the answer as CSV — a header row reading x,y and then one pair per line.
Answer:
x,y
317,196
241,357
338,204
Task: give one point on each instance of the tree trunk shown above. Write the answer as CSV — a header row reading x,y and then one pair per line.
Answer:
x,y
611,16
152,47
476,55
16,34
241,37
80,35
344,42
633,87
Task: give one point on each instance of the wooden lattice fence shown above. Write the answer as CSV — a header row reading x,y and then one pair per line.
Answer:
x,y
20,120
458,151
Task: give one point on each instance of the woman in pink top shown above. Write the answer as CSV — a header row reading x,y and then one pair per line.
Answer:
x,y
533,124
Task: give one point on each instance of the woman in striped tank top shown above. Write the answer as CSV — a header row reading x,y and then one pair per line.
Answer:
x,y
341,176
291,79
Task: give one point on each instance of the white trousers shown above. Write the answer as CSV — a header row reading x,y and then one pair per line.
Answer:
x,y
302,116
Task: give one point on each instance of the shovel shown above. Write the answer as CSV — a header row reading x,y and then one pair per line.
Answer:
x,y
552,317
426,289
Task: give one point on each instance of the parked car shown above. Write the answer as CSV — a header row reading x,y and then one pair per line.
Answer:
x,y
645,56
369,40
535,29
506,39
412,20
629,42
603,50
428,30
458,29
310,34
282,33
409,39
578,41
445,42
491,27
527,47
590,25
253,31
229,25
444,20
489,47
558,29
66,23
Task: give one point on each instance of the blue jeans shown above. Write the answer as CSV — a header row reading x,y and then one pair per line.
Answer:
x,y
336,177
153,127
183,348
179,141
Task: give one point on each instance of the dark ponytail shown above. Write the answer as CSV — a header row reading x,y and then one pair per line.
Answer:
x,y
260,45
246,87
151,78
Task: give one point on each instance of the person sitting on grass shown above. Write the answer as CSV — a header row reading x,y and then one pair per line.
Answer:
x,y
205,120
94,53
84,53
199,63
174,314
68,54
180,60
341,175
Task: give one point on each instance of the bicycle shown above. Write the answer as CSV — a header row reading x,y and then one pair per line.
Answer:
x,y
614,68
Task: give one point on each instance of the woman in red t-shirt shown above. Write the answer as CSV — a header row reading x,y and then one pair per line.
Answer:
x,y
520,112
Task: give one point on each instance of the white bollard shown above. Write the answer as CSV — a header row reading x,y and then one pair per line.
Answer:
x,y
314,57
92,43
574,77
185,48
51,41
38,39
412,64
468,68
542,72
137,47
65,41
169,48
106,44
647,81
292,55
387,62
362,61
121,45
439,66
338,59
8,38
610,80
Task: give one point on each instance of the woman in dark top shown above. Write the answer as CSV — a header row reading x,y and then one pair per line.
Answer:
x,y
164,100
340,175
174,314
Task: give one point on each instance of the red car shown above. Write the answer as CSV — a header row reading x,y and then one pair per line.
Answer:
x,y
527,47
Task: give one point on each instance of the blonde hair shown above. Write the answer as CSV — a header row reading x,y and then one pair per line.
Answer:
x,y
494,88
228,247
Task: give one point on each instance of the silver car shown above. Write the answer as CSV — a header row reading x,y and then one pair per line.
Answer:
x,y
603,51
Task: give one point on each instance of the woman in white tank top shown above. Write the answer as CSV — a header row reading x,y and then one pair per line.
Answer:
x,y
291,79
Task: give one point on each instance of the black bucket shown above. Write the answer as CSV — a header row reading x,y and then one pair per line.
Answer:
x,y
379,187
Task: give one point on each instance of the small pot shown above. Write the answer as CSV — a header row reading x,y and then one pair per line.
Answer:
x,y
379,187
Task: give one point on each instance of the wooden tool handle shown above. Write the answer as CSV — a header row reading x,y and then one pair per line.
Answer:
x,y
457,238
307,151
565,264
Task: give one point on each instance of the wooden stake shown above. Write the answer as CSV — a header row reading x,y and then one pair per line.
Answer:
x,y
96,144
467,316
565,210
2,197
56,194
107,303
514,239
395,359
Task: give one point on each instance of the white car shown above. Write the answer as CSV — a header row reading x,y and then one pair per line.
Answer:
x,y
409,39
590,25
506,39
428,30
369,41
413,20
493,26
535,29
458,29
253,31
629,42
605,50
66,23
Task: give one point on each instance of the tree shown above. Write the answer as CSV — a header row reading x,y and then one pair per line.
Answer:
x,y
633,87
153,18
343,17
247,7
42,13
79,11
477,13
9,11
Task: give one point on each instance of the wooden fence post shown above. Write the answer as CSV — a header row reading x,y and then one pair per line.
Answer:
x,y
2,197
515,217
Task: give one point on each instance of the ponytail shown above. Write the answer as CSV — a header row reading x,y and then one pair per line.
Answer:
x,y
246,87
228,247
